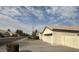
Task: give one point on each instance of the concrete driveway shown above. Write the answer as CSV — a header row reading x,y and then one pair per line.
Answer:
x,y
40,46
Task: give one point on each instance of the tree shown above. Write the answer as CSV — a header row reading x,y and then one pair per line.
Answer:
x,y
9,30
34,34
21,33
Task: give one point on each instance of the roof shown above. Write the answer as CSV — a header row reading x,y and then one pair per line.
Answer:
x,y
63,28
4,31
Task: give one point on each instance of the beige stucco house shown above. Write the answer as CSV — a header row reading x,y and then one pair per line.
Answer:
x,y
61,35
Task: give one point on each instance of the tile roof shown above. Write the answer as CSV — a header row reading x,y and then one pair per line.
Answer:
x,y
64,27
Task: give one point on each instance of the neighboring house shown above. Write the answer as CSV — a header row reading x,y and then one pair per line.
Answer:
x,y
2,33
61,35
6,33
12,33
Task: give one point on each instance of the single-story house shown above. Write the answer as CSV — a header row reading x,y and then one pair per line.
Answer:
x,y
6,33
61,35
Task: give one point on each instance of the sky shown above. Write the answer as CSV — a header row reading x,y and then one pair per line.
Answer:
x,y
27,17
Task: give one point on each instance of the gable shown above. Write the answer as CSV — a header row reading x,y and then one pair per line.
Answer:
x,y
47,31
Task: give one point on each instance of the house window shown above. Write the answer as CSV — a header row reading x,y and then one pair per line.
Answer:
x,y
48,34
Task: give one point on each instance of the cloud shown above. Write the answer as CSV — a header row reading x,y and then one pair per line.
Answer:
x,y
10,18
67,13
24,17
62,12
11,11
7,22
37,12
55,13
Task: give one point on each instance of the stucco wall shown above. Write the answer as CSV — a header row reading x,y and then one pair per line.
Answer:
x,y
47,38
57,37
65,33
66,39
47,31
71,41
61,38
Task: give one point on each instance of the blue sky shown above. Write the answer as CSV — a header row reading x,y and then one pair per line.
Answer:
x,y
26,17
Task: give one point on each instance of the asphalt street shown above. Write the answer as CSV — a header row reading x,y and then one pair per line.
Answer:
x,y
9,40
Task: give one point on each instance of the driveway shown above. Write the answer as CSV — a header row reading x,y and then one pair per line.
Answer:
x,y
40,46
